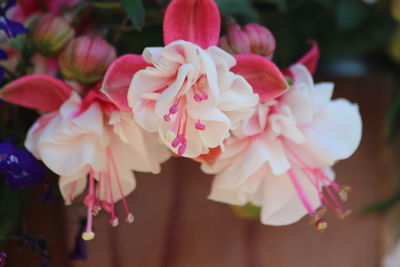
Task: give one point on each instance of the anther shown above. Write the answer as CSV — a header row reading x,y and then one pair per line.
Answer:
x,y
200,126
197,97
129,218
182,149
87,236
176,141
173,109
321,224
166,117
344,193
114,222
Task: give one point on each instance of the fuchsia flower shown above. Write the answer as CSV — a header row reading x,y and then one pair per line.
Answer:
x,y
281,158
191,92
78,137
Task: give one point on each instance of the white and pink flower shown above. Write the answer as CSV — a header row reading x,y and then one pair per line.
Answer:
x,y
86,138
281,158
191,92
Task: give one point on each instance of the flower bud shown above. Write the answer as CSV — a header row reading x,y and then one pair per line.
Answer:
x,y
86,59
50,34
253,38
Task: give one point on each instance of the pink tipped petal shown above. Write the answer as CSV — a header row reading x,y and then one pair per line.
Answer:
x,y
196,21
310,60
118,78
37,91
263,75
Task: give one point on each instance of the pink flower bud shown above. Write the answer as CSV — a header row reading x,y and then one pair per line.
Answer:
x,y
50,34
253,38
86,59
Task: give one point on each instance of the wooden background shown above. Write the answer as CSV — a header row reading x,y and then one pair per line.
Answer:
x,y
176,226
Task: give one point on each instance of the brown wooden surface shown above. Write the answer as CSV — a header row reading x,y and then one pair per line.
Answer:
x,y
176,226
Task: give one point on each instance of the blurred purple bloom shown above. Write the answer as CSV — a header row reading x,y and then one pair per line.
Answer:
x,y
80,249
3,259
11,28
20,168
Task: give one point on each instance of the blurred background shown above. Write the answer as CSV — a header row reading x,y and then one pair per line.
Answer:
x,y
175,225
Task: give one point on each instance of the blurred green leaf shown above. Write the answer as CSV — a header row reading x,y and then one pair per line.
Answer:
x,y
135,11
350,13
238,7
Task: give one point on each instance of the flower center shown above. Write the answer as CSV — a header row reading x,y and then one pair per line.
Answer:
x,y
177,134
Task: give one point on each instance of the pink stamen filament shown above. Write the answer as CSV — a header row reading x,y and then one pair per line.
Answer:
x,y
124,202
89,201
300,192
114,220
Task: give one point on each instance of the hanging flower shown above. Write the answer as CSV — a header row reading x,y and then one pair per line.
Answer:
x,y
79,138
20,168
187,91
11,28
281,158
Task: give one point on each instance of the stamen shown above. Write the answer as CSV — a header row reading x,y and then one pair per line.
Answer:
x,y
129,215
300,192
200,126
114,219
89,202
321,224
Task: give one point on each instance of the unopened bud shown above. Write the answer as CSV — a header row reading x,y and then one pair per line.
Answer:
x,y
86,59
50,34
252,38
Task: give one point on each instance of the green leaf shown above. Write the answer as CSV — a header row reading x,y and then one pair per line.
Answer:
x,y
237,7
135,11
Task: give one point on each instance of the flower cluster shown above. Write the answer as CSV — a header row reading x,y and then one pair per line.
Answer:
x,y
269,136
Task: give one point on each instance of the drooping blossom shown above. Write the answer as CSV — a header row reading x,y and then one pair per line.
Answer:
x,y
10,27
187,90
19,167
87,141
281,158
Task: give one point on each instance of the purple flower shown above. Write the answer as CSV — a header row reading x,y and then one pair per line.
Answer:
x,y
80,250
3,259
20,168
11,28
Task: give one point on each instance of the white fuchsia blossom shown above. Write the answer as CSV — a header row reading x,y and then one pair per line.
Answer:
x,y
190,91
88,138
281,158
190,97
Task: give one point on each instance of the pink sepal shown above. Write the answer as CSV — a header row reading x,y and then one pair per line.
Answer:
x,y
310,59
118,78
37,91
263,75
196,21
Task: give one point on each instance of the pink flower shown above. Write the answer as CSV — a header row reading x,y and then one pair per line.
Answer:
x,y
190,91
79,138
281,158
